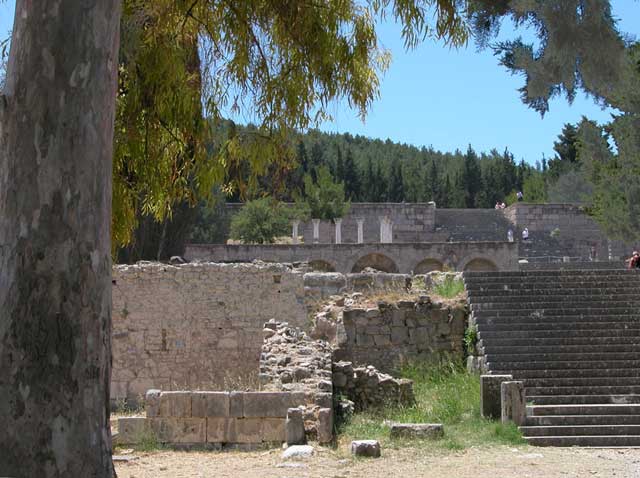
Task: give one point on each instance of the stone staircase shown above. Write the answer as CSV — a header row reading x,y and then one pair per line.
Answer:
x,y
573,338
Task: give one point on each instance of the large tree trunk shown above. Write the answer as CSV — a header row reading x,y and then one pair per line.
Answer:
x,y
56,135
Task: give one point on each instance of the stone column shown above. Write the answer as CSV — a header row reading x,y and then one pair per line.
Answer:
x,y
294,234
513,402
490,394
386,230
338,223
360,222
316,230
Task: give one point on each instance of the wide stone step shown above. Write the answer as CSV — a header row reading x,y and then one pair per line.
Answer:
x,y
583,390
583,399
560,341
559,420
586,441
542,282
546,287
576,325
563,365
565,349
562,382
556,333
563,357
583,409
562,305
481,321
482,294
581,430
577,312
581,299
521,374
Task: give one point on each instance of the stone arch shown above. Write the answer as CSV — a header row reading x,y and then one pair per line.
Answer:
x,y
480,264
376,261
428,265
319,265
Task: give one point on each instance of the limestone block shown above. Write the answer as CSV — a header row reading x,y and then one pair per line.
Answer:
x,y
245,430
175,404
513,402
323,400
399,335
131,429
325,425
179,430
490,394
218,430
381,340
370,448
273,430
364,340
417,430
152,402
298,452
236,404
294,427
210,404
266,404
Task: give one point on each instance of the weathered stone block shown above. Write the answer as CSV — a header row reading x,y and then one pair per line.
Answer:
x,y
399,335
245,430
152,402
513,402
175,404
218,430
266,404
179,430
236,404
210,404
131,429
382,340
294,427
274,430
323,400
369,448
490,394
417,430
325,425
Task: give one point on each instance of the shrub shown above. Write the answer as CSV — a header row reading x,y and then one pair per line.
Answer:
x,y
260,222
449,288
324,197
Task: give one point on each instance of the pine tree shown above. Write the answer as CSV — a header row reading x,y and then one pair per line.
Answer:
x,y
340,172
471,178
396,187
445,194
351,177
316,160
433,186
370,188
381,186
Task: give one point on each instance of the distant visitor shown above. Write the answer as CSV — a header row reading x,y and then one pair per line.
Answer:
x,y
525,234
520,196
634,261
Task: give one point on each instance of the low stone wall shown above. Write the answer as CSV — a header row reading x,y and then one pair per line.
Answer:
x,y
366,387
218,418
387,335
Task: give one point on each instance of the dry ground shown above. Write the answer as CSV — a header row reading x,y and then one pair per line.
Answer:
x,y
484,462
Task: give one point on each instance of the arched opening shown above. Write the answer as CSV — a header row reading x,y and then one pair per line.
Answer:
x,y
428,265
480,265
376,261
319,265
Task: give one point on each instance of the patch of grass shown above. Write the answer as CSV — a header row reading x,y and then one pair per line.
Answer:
x,y
449,288
445,393
147,441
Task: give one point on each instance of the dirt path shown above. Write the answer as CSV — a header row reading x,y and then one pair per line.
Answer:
x,y
494,462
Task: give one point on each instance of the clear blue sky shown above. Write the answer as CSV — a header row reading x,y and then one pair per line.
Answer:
x,y
448,98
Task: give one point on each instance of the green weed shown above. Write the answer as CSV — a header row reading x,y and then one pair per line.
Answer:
x,y
449,288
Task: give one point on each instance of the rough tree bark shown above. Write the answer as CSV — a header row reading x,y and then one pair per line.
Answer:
x,y
56,135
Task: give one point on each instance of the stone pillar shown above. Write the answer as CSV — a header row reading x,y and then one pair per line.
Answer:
x,y
294,234
338,223
513,402
386,230
360,222
316,230
490,394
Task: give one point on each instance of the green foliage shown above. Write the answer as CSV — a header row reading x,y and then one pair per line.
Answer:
x,y
260,221
283,61
470,339
325,197
449,287
445,393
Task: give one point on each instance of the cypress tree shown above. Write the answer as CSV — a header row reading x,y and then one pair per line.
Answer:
x,y
396,187
351,177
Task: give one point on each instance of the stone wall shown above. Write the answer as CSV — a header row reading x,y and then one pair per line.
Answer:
x,y
196,325
387,335
211,418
